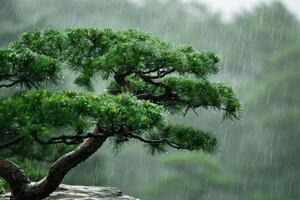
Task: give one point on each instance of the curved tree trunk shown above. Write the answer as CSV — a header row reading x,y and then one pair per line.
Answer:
x,y
21,187
14,175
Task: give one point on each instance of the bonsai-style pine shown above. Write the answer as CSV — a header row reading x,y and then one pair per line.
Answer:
x,y
147,78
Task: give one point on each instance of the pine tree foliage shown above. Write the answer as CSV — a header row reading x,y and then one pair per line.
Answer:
x,y
147,77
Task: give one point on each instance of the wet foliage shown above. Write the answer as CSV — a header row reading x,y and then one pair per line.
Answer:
x,y
259,57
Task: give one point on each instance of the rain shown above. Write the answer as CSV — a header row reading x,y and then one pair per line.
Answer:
x,y
258,42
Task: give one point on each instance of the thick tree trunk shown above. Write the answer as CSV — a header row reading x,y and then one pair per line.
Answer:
x,y
14,175
20,185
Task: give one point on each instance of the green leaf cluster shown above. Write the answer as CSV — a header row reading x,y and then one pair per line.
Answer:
x,y
105,52
147,75
37,112
23,67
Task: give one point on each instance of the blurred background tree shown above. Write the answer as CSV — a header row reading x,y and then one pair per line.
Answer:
x,y
193,176
275,100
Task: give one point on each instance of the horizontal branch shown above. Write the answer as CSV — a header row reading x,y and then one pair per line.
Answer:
x,y
4,76
22,81
67,139
156,142
9,84
159,74
11,142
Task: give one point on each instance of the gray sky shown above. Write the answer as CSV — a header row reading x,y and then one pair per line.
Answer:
x,y
230,7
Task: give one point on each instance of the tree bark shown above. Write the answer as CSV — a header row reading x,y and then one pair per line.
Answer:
x,y
21,187
14,175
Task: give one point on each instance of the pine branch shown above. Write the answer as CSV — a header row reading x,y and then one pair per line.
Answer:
x,y
156,142
67,139
14,141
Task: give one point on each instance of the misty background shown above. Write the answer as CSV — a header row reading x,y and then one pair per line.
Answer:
x,y
259,43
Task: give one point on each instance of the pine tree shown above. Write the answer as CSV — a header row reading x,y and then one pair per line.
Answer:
x,y
147,77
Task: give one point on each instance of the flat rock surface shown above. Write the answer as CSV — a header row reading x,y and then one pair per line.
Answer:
x,y
71,192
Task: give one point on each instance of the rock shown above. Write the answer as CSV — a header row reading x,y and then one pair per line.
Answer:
x,y
71,192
